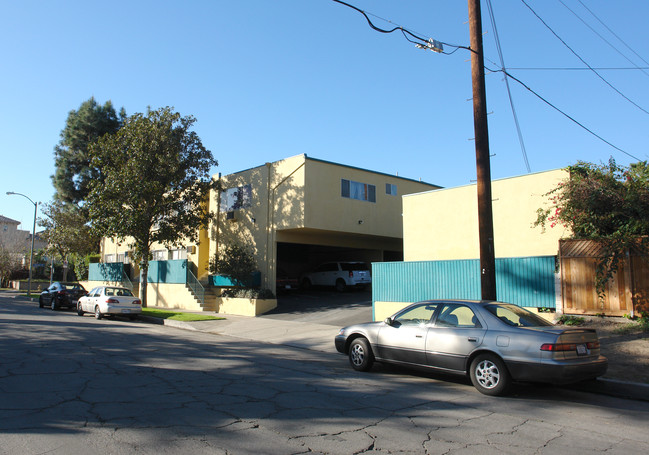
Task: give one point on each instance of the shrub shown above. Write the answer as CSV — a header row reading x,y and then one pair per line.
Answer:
x,y
236,262
248,293
570,320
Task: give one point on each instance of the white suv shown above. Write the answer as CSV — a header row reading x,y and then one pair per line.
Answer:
x,y
338,274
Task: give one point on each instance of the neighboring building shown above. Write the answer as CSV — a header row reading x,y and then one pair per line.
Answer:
x,y
17,240
294,214
442,248
443,224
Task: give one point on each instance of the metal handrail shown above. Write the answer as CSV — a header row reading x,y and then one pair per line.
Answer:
x,y
195,286
126,281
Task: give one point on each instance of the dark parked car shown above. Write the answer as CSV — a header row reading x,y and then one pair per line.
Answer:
x,y
285,282
493,343
60,295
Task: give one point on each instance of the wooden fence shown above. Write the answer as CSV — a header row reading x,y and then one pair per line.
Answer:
x,y
626,293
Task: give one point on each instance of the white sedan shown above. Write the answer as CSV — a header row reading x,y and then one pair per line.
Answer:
x,y
110,300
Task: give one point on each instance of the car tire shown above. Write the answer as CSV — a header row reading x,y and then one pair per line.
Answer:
x,y
79,309
98,314
41,304
489,375
340,285
361,357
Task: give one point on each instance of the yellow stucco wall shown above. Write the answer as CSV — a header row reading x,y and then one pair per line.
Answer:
x,y
443,224
298,200
326,209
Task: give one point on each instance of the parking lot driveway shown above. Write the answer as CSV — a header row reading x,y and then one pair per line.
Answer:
x,y
323,307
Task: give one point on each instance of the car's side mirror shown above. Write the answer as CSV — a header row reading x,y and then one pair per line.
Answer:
x,y
388,321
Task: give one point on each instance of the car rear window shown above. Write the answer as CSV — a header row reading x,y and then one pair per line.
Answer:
x,y
352,266
516,316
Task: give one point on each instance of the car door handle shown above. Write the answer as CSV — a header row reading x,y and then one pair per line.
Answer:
x,y
473,339
418,336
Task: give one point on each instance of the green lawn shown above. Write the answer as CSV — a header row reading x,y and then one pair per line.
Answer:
x,y
179,315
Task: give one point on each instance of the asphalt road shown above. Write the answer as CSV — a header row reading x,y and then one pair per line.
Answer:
x,y
76,385
324,306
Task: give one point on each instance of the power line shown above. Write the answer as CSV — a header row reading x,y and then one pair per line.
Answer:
x,y
613,33
507,74
566,115
557,68
582,60
601,37
509,93
419,41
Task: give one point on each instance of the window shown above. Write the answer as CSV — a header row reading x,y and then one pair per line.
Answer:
x,y
357,190
455,315
110,258
236,198
160,255
179,253
416,315
390,189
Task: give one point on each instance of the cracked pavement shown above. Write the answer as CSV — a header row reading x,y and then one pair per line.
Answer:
x,y
73,385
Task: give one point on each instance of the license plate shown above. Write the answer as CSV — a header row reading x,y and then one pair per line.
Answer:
x,y
581,349
288,286
126,311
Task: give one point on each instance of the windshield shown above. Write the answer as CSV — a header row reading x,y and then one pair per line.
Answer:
x,y
516,316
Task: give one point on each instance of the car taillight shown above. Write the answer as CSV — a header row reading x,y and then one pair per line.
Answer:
x,y
136,302
560,347
61,292
351,274
112,301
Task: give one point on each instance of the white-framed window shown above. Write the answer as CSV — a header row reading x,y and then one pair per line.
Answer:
x,y
179,253
160,255
357,190
236,198
108,258
391,189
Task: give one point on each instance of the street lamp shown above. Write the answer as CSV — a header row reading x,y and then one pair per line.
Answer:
x,y
31,252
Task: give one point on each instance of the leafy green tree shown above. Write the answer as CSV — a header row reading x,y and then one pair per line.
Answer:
x,y
156,182
84,126
67,232
608,203
236,262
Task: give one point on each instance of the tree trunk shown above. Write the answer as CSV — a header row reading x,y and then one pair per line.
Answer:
x,y
144,269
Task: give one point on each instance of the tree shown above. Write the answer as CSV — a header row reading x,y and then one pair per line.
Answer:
x,y
607,203
67,232
155,184
84,126
236,262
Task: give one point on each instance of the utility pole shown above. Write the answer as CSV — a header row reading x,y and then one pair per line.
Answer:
x,y
485,213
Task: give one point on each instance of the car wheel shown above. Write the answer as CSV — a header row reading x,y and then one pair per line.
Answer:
x,y
489,375
79,309
98,314
360,355
340,285
306,284
41,304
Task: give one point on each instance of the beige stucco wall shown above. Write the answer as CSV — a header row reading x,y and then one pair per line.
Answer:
x,y
443,224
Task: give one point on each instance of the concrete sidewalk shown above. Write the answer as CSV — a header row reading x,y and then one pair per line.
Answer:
x,y
320,337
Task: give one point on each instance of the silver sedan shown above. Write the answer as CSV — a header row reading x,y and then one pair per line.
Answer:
x,y
494,343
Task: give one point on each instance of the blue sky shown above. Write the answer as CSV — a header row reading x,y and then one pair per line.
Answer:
x,y
271,79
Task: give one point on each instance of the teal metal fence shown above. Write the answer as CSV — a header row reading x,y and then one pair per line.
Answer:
x,y
174,271
528,282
